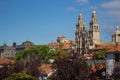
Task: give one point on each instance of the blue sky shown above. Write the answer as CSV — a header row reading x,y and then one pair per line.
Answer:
x,y
41,21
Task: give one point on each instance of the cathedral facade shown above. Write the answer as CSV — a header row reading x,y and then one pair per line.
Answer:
x,y
87,39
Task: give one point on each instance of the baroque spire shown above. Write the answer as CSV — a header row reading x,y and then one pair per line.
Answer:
x,y
94,17
80,35
80,20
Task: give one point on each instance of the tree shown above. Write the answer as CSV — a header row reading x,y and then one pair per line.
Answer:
x,y
100,55
30,59
30,68
5,71
20,76
70,68
60,52
42,52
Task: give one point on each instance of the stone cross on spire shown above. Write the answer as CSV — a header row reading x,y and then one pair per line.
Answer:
x,y
94,17
94,9
80,12
80,20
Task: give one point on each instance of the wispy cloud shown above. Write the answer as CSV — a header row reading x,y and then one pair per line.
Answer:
x,y
114,4
70,8
82,1
112,8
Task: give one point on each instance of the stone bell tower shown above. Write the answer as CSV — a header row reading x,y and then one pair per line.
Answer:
x,y
94,31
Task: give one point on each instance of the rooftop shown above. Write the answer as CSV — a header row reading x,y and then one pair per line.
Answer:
x,y
6,61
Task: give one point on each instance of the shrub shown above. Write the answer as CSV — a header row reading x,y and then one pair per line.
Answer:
x,y
20,76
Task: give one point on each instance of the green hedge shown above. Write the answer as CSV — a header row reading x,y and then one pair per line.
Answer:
x,y
20,76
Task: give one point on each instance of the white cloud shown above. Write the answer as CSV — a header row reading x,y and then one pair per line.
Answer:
x,y
112,8
70,8
114,4
114,12
111,14
82,1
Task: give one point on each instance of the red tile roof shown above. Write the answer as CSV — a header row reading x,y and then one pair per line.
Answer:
x,y
54,44
6,61
96,67
62,36
66,45
102,46
45,68
115,48
110,46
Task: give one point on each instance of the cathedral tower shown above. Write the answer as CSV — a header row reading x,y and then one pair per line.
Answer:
x,y
80,35
94,31
116,35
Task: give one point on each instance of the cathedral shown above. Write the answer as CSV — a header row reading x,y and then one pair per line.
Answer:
x,y
85,40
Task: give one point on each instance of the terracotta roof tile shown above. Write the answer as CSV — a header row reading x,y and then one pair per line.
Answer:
x,y
115,48
46,68
65,45
6,61
111,47
96,67
62,37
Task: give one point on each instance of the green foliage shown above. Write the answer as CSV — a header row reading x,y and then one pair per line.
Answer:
x,y
60,52
30,67
100,55
30,59
20,76
42,52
